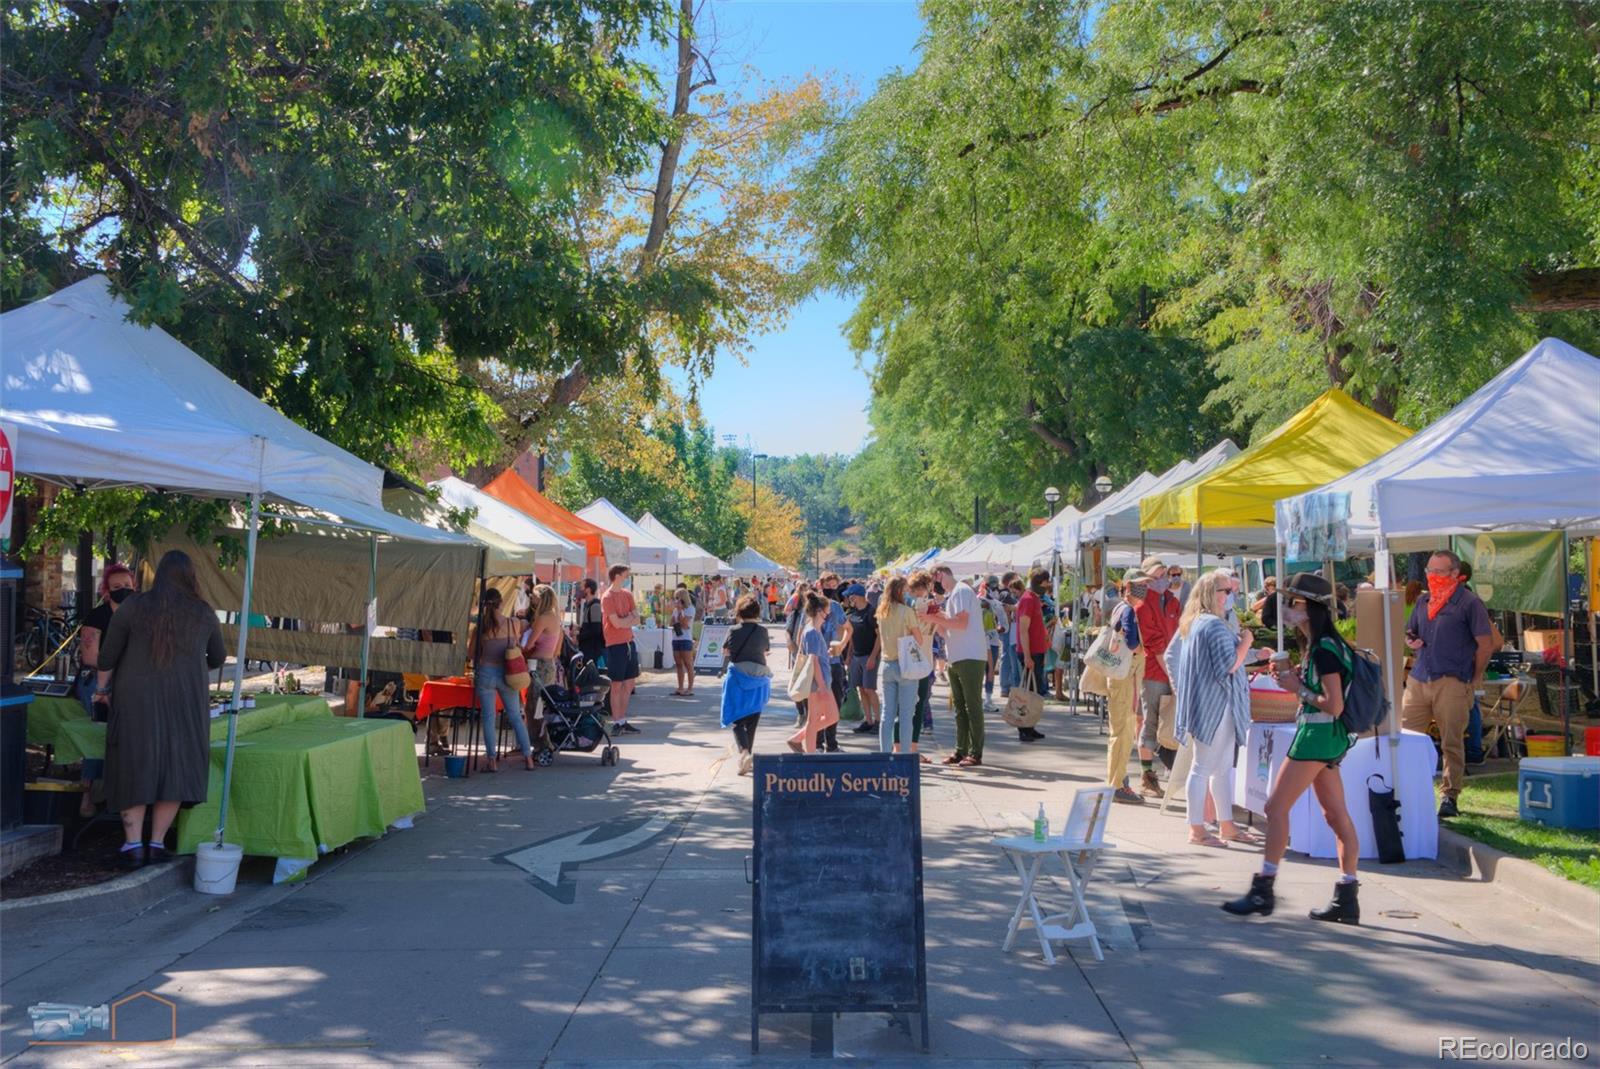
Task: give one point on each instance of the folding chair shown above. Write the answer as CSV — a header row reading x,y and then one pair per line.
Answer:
x,y
1502,724
1079,847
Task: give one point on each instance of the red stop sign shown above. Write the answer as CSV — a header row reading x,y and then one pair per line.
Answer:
x,y
8,469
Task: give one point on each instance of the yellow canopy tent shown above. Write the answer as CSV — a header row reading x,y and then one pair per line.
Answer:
x,y
1333,435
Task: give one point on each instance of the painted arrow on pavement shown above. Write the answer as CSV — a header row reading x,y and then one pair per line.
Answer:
x,y
547,861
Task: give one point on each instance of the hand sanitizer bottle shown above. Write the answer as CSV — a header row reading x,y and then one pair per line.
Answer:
x,y
1041,826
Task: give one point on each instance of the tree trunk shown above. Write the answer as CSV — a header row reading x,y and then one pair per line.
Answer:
x,y
571,386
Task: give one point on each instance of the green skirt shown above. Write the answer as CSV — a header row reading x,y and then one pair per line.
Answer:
x,y
1319,742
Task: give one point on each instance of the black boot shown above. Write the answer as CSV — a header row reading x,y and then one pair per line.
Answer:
x,y
1260,899
1344,908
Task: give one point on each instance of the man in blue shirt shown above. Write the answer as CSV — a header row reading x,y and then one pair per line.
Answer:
x,y
1450,635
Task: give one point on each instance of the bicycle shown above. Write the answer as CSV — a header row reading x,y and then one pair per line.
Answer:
x,y
47,637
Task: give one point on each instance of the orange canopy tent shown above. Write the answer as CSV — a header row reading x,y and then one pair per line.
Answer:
x,y
603,547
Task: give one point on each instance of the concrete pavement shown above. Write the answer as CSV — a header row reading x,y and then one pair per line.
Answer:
x,y
434,947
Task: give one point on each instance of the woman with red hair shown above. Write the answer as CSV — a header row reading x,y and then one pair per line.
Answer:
x,y
116,585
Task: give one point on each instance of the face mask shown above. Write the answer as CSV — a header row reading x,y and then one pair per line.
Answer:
x,y
1158,585
938,587
1295,617
1227,603
117,597
1440,589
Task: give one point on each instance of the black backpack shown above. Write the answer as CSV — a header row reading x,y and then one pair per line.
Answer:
x,y
1366,699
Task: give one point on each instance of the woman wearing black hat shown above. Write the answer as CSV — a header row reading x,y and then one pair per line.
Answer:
x,y
1320,743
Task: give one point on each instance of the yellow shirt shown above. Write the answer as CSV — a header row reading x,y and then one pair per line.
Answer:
x,y
901,620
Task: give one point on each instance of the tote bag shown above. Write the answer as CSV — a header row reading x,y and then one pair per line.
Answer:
x,y
801,677
1024,707
1109,655
914,660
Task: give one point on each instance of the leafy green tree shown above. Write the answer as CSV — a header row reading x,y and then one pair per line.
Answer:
x,y
695,494
344,205
1088,239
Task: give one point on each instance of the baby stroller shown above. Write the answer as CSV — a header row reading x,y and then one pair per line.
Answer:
x,y
577,716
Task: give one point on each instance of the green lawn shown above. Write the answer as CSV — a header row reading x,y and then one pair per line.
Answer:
x,y
1489,815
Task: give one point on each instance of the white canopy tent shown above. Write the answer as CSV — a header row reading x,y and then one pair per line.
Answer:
x,y
751,561
691,560
100,401
1044,542
646,552
505,521
1520,454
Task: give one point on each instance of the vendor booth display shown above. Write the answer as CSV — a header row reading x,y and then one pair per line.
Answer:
x,y
101,401
601,547
1371,758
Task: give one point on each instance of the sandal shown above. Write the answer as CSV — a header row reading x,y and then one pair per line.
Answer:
x,y
971,762
1211,841
925,758
953,759
1245,837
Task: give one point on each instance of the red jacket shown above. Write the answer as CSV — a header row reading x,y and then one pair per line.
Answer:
x,y
1158,622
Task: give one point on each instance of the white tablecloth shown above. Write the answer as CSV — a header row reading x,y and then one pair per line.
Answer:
x,y
651,639
1263,754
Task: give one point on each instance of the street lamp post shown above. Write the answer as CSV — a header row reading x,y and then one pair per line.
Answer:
x,y
1051,496
753,458
1102,485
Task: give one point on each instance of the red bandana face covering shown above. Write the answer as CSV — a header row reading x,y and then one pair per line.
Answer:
x,y
1441,588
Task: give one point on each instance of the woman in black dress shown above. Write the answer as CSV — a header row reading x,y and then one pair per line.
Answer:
x,y
158,648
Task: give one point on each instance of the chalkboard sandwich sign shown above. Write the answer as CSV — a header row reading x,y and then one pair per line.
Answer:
x,y
838,923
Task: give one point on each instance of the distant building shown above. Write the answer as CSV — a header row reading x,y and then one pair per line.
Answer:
x,y
847,566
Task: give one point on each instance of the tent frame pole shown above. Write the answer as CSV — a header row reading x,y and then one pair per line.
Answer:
x,y
1281,578
1391,673
238,662
368,624
1568,643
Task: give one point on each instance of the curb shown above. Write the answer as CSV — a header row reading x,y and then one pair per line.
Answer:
x,y
1545,889
142,888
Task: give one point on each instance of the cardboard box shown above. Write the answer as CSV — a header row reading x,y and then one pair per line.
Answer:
x,y
1537,641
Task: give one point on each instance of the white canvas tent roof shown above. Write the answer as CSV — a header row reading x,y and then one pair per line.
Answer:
x,y
1522,453
646,552
976,554
1039,544
508,523
101,401
692,560
751,561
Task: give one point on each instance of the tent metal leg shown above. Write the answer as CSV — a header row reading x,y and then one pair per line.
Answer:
x,y
238,665
1278,564
371,622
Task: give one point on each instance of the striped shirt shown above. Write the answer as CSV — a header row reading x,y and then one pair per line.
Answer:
x,y
1204,686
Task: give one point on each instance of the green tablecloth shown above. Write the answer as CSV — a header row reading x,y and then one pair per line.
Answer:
x,y
62,724
304,788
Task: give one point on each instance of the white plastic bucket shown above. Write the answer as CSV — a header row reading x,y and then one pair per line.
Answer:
x,y
216,867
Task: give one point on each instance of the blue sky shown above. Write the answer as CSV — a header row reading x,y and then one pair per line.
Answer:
x,y
859,40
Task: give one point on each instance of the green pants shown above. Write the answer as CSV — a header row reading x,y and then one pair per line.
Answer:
x,y
966,694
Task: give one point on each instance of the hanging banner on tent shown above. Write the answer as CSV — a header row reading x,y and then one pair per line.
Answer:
x,y
1317,527
1516,572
